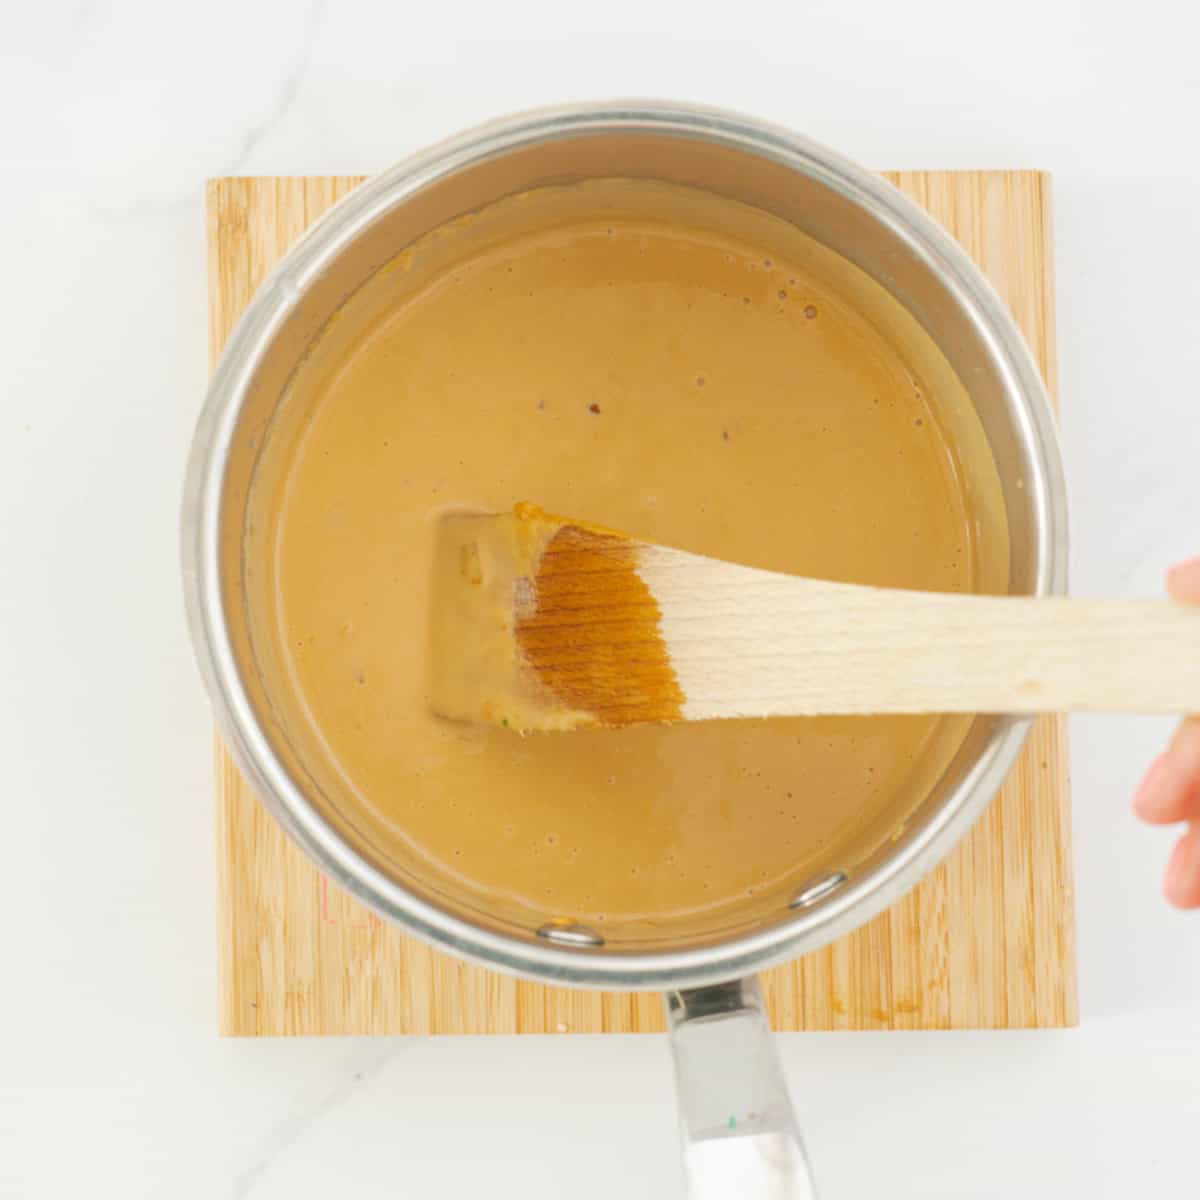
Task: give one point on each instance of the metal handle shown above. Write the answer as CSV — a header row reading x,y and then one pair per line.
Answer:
x,y
736,1120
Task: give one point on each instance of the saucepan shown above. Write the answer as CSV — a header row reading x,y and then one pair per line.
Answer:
x,y
724,1060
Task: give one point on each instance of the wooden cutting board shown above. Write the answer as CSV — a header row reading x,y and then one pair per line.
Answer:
x,y
987,941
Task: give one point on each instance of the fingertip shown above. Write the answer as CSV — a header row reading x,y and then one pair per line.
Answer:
x,y
1183,581
1185,745
1144,797
1169,791
1181,883
1148,800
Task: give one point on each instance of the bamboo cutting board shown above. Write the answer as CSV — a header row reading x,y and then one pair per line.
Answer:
x,y
987,941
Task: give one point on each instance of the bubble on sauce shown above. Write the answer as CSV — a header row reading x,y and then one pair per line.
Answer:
x,y
700,381
810,311
782,293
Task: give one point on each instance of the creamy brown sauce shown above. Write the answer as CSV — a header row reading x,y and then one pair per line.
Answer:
x,y
722,392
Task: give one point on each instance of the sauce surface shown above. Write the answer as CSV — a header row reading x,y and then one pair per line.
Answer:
x,y
704,383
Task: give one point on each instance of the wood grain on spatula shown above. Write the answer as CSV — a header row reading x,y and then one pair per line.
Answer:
x,y
597,628
594,635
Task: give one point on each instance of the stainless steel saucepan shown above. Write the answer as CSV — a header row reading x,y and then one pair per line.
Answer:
x,y
724,1060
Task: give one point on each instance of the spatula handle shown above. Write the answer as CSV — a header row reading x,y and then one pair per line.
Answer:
x,y
842,649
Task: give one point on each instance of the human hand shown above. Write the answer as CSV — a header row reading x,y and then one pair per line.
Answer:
x,y
1170,791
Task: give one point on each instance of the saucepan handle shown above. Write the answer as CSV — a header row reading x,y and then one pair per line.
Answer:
x,y
737,1124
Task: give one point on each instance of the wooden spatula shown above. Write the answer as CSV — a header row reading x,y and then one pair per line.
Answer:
x,y
543,622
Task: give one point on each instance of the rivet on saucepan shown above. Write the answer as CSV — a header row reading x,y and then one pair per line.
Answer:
x,y
569,933
818,889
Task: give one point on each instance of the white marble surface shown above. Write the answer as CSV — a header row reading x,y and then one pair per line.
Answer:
x,y
112,1080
